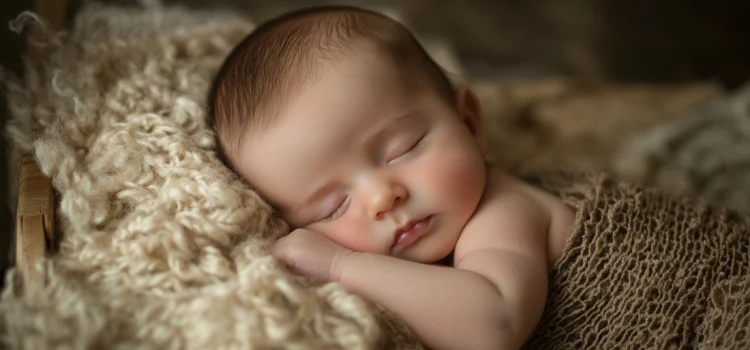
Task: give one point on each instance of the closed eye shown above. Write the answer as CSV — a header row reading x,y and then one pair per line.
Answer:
x,y
340,210
410,151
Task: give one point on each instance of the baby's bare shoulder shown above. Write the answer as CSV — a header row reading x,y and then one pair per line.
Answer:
x,y
516,216
507,196
510,217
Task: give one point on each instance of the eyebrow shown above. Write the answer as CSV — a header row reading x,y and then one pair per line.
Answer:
x,y
374,138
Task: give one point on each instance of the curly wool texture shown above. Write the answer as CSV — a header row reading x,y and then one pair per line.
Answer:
x,y
163,247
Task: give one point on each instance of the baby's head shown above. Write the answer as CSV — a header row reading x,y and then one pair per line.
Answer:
x,y
341,120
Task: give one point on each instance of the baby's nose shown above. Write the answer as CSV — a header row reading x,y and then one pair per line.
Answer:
x,y
385,199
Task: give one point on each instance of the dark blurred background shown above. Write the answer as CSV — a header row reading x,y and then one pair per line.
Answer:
x,y
630,40
650,42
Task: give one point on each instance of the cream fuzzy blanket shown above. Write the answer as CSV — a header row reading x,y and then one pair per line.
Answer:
x,y
164,249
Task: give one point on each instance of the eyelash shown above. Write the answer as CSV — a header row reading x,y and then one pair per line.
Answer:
x,y
336,213
341,208
414,148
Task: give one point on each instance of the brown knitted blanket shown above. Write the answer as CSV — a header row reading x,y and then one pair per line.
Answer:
x,y
164,248
645,270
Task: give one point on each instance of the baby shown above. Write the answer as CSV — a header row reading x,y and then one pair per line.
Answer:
x,y
339,118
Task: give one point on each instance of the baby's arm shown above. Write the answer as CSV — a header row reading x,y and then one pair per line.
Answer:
x,y
492,300
447,308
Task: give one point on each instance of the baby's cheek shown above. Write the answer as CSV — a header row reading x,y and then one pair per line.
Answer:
x,y
350,233
457,175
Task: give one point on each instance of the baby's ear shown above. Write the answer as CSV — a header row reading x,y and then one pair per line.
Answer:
x,y
470,112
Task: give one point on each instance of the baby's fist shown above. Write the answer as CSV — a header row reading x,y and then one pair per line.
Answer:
x,y
311,254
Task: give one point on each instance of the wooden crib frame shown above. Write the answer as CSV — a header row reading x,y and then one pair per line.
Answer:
x,y
35,235
35,219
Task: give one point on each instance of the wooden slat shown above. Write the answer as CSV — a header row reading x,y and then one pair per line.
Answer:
x,y
31,246
35,215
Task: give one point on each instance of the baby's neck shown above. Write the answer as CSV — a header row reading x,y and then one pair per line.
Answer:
x,y
446,261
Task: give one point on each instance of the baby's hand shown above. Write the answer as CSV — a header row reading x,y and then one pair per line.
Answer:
x,y
311,254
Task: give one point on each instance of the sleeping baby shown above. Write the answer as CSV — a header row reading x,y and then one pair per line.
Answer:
x,y
340,119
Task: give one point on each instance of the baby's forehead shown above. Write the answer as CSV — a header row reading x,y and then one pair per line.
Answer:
x,y
361,57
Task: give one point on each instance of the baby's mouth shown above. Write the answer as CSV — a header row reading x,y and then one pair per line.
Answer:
x,y
411,232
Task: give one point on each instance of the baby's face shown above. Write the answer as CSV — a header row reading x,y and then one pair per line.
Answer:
x,y
374,166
